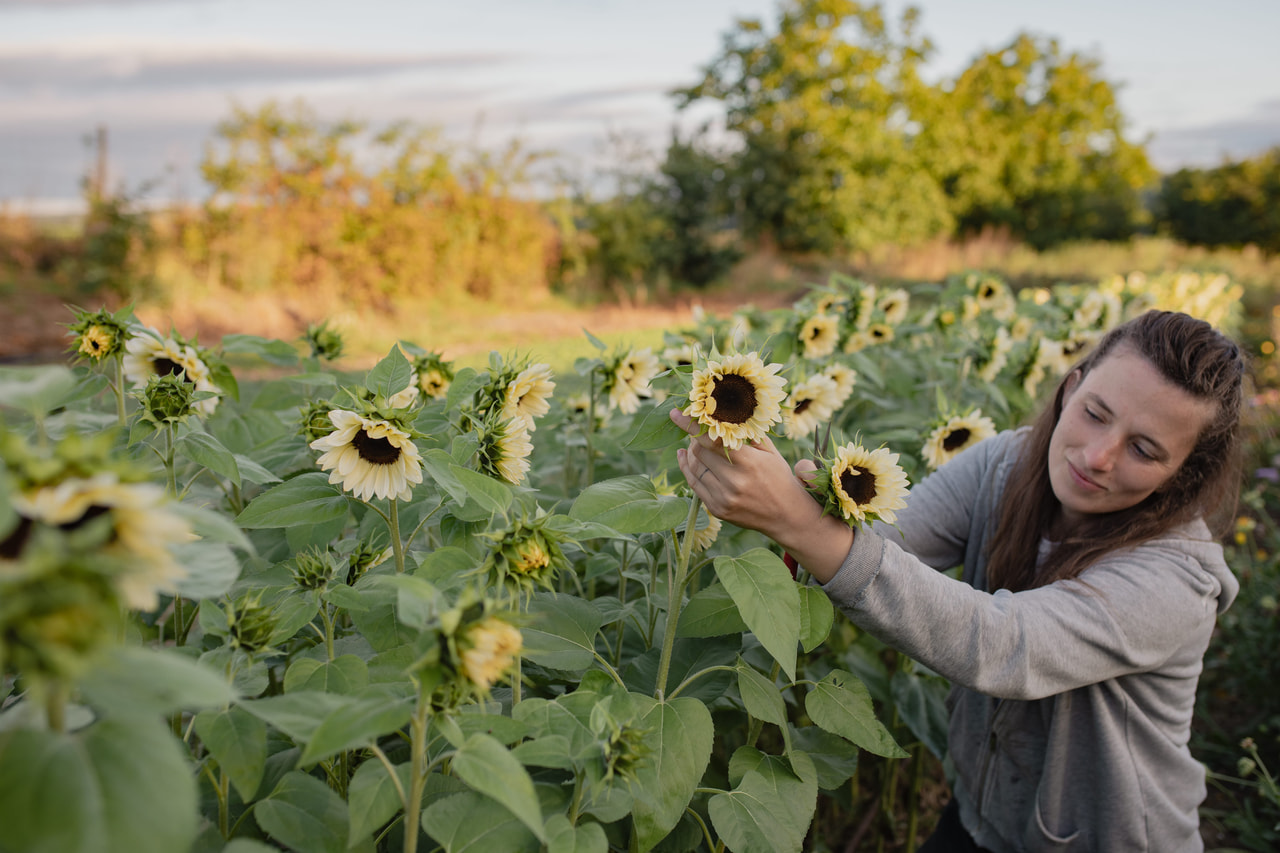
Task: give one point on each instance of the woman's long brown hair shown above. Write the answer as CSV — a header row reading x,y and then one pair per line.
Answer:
x,y
1193,356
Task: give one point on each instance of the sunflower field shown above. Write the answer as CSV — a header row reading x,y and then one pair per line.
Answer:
x,y
251,601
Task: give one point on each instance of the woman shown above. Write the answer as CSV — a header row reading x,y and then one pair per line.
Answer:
x,y
1090,587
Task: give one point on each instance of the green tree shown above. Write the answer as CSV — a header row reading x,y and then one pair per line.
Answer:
x,y
1235,204
1032,139
823,110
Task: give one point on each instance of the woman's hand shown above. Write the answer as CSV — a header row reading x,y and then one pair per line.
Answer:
x,y
754,487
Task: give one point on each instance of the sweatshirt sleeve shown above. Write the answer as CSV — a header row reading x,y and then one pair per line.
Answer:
x,y
1128,613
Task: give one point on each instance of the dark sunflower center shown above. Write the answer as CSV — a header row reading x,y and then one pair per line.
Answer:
x,y
988,291
802,405
956,439
167,367
375,451
877,333
815,333
11,545
735,398
95,344
859,484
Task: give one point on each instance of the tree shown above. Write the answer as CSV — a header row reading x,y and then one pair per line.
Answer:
x,y
1235,204
822,114
1031,139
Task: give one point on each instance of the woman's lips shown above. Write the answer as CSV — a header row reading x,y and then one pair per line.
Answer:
x,y
1082,481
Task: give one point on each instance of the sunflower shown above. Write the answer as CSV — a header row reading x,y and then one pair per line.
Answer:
x,y
845,378
704,537
954,435
866,485
488,650
142,528
433,383
368,457
504,449
880,333
857,341
737,399
528,395
810,403
997,356
680,356
98,335
1048,361
147,355
629,380
819,334
894,304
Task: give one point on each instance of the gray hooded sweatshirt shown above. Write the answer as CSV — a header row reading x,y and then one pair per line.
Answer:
x,y
1071,703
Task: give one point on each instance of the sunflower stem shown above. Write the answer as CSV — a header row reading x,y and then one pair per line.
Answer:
x,y
417,768
675,590
169,468
397,547
117,387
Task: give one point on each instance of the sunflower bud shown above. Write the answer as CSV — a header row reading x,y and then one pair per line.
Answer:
x,y
326,344
525,556
98,335
314,421
622,744
314,568
488,651
250,623
167,399
365,556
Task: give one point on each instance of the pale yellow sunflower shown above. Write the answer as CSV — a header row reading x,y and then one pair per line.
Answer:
x,y
845,378
504,450
956,434
705,536
997,356
146,356
880,333
867,484
529,395
96,342
810,404
678,356
895,304
1049,362
144,530
819,335
433,383
866,305
369,458
858,340
488,650
630,380
737,399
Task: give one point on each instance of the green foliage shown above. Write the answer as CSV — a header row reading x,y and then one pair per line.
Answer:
x,y
1235,204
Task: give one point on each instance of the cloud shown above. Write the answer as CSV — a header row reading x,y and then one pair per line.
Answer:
x,y
1207,145
93,69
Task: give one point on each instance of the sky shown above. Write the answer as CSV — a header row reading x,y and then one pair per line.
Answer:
x,y
1200,82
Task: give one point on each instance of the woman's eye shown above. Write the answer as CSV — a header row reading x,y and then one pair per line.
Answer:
x,y
1142,453
1092,415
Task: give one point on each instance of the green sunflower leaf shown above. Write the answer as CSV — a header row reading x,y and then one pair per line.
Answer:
x,y
391,375
767,597
205,450
841,704
306,499
630,504
655,430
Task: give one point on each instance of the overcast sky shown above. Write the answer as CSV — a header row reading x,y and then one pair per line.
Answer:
x,y
1200,80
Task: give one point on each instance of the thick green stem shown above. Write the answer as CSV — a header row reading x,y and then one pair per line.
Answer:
x,y
675,590
327,618
169,468
397,546
55,706
417,769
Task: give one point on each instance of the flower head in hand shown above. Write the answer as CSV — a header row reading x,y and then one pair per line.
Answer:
x,y
862,485
737,398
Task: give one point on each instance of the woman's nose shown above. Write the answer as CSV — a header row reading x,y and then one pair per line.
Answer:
x,y
1100,455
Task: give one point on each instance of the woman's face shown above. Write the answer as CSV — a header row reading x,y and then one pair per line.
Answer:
x,y
1124,431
